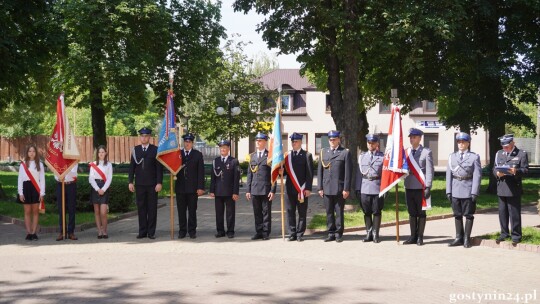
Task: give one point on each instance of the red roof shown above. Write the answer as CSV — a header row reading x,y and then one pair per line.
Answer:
x,y
285,77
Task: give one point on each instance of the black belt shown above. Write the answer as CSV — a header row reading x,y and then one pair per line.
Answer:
x,y
99,180
371,178
462,178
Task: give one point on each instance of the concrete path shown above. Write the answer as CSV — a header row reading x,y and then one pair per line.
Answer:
x,y
209,270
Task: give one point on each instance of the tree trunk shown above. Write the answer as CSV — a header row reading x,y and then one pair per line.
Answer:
x,y
99,130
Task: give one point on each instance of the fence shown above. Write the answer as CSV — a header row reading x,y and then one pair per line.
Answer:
x,y
119,148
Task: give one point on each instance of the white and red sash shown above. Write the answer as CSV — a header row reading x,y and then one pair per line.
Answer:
x,y
294,179
36,185
98,170
417,172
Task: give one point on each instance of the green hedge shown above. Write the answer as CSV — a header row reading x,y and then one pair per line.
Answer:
x,y
119,195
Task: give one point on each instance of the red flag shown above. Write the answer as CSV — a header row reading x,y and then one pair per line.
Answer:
x,y
62,152
395,166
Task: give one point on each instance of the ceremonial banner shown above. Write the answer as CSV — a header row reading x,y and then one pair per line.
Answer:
x,y
62,151
168,149
275,155
395,166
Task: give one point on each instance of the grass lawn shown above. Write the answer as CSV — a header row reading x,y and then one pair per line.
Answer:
x,y
530,235
440,205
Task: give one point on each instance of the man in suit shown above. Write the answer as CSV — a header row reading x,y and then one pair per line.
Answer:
x,y
225,187
334,177
511,164
299,171
148,175
259,188
463,177
189,186
368,187
418,186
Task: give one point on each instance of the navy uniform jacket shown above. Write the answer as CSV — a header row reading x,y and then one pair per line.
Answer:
x,y
368,173
259,182
511,185
191,177
335,175
145,167
424,159
302,165
225,177
463,177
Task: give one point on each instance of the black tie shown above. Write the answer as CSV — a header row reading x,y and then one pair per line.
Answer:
x,y
333,151
144,149
223,159
413,152
187,153
371,157
260,154
461,156
295,153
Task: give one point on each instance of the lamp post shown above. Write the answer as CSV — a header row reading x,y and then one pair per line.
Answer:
x,y
231,111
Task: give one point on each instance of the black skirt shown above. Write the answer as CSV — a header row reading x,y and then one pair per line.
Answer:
x,y
95,198
31,196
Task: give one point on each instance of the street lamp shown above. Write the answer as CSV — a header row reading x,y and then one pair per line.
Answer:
x,y
230,111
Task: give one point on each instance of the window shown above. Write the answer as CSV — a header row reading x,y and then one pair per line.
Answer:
x,y
328,108
384,108
284,142
321,142
287,103
383,139
431,106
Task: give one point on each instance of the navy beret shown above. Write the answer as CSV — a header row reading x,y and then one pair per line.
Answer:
x,y
145,130
188,136
333,134
463,136
296,136
224,142
506,139
261,136
372,137
415,131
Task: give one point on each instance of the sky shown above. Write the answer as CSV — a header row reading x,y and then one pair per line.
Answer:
x,y
245,25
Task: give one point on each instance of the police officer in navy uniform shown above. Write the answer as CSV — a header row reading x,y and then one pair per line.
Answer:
x,y
148,175
513,164
334,178
463,177
225,187
259,188
368,187
302,167
189,186
415,191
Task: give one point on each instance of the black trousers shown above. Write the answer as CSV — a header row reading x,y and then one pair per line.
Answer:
x,y
146,197
413,197
371,204
262,210
291,199
187,202
463,207
510,208
222,203
335,215
70,191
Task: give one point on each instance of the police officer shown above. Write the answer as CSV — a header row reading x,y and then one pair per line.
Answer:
x,y
148,175
224,187
189,186
368,185
299,171
334,177
463,177
415,189
511,164
259,188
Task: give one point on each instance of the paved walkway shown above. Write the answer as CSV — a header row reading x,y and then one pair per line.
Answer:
x,y
208,270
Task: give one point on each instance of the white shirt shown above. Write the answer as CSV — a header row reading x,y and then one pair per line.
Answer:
x,y
107,170
38,176
224,158
71,176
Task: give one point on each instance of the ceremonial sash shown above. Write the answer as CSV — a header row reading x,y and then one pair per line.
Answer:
x,y
417,172
293,178
36,185
98,170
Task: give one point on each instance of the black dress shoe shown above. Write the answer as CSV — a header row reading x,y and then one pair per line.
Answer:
x,y
292,238
60,237
152,237
265,237
28,237
500,239
230,235
219,235
256,237
182,235
141,236
300,239
330,238
34,237
100,237
514,243
339,239
192,236
105,236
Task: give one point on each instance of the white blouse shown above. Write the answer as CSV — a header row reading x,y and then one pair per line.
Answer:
x,y
38,176
107,170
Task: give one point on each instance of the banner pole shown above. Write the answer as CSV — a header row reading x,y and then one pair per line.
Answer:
x,y
63,209
397,216
282,209
172,207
